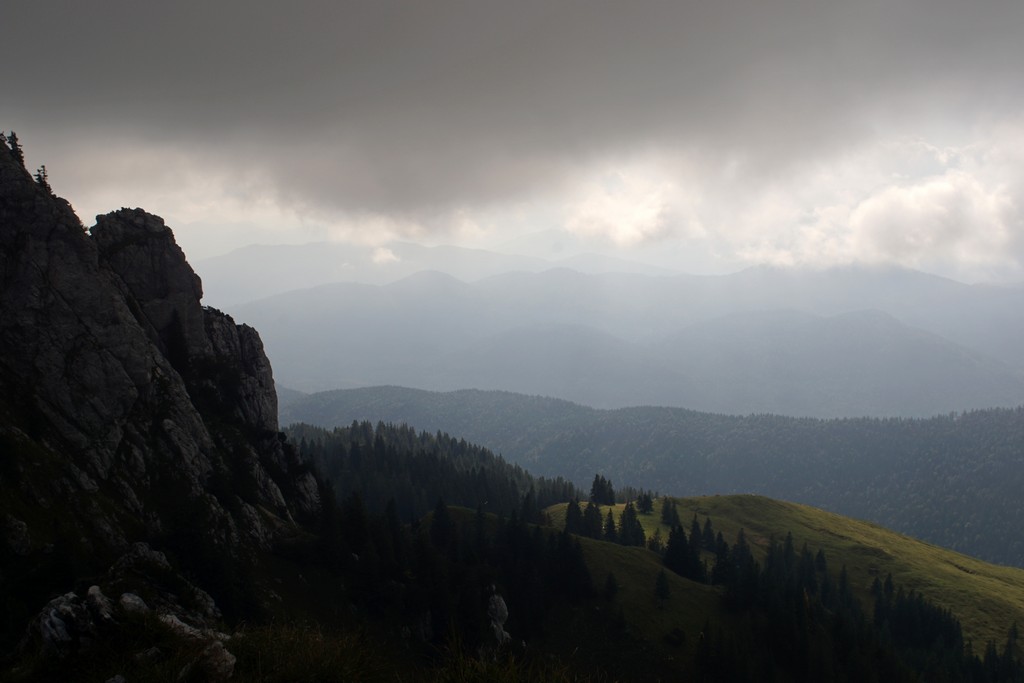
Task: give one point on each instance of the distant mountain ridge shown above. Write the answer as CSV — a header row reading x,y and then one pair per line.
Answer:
x,y
953,480
830,344
258,271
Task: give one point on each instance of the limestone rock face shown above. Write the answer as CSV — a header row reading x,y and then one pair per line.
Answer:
x,y
142,253
497,612
250,391
128,411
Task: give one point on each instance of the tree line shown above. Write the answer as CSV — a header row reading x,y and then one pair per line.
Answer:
x,y
386,462
437,567
804,620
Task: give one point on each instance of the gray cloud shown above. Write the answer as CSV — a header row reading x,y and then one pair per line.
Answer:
x,y
418,109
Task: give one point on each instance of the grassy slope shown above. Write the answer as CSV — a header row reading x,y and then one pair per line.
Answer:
x,y
592,639
986,598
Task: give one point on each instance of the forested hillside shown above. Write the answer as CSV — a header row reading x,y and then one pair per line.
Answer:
x,y
953,480
694,598
387,464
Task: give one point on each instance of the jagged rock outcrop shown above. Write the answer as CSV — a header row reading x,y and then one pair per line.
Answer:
x,y
128,411
73,623
497,612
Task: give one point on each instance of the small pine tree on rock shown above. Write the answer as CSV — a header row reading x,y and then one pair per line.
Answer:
x,y
12,142
43,179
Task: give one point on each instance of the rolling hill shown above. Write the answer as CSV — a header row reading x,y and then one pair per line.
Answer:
x,y
608,617
952,480
986,598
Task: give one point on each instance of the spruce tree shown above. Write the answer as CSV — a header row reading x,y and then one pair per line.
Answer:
x,y
696,536
528,510
355,523
654,543
592,522
631,532
676,551
574,518
43,179
669,513
601,491
19,154
708,535
611,534
723,571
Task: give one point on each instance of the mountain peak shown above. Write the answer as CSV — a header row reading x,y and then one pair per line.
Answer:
x,y
149,417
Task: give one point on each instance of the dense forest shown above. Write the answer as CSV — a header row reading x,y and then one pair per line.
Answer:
x,y
385,464
953,480
786,616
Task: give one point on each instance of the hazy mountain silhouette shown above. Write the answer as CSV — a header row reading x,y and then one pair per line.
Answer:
x,y
833,343
258,271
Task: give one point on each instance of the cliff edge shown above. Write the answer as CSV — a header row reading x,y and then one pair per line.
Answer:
x,y
129,413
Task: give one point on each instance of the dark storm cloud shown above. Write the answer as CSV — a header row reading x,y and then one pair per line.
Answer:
x,y
421,106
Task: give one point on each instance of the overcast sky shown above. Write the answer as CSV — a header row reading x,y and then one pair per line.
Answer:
x,y
712,134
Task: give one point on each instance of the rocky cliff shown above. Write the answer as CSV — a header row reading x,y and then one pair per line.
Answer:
x,y
128,412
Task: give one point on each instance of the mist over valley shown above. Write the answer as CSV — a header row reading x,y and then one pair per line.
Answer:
x,y
845,342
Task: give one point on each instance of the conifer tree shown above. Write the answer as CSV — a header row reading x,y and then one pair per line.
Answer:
x,y
708,536
654,543
696,536
43,179
593,525
528,510
631,532
669,513
611,534
355,523
676,551
601,491
574,518
723,571
19,154
397,533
